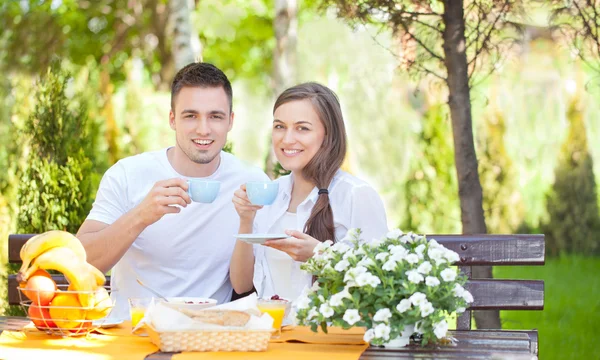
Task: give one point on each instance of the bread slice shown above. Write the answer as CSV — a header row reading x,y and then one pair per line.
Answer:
x,y
219,317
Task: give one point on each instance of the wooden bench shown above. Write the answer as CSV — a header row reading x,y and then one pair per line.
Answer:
x,y
474,250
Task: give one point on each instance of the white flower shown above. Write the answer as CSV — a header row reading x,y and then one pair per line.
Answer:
x,y
424,268
312,313
419,250
315,286
414,277
340,247
336,299
458,290
394,234
373,281
406,239
467,296
432,281
460,310
437,255
342,265
382,331
322,246
403,306
440,329
348,254
399,256
360,251
351,235
418,328
389,265
354,272
426,308
366,262
303,302
321,298
412,258
418,298
351,316
434,244
326,310
375,243
451,256
382,315
369,335
448,275
381,256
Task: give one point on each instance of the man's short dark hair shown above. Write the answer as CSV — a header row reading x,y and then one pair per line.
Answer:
x,y
201,75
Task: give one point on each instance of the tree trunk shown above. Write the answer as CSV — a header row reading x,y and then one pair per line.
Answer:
x,y
469,187
284,58
186,45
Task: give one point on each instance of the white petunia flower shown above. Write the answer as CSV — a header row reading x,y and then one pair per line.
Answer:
x,y
434,244
418,298
360,251
424,268
412,258
394,234
426,308
354,272
303,302
375,243
432,281
437,255
382,331
399,256
340,247
366,262
349,254
406,239
312,313
458,290
468,297
369,335
363,279
326,310
389,265
419,250
451,256
322,246
461,310
448,274
382,315
414,277
382,256
351,316
336,299
342,265
403,306
440,329
373,281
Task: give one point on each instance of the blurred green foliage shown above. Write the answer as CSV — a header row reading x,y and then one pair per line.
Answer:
x,y
574,218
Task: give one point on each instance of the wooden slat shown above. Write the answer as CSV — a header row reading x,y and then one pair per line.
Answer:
x,y
494,294
13,292
495,249
473,249
15,243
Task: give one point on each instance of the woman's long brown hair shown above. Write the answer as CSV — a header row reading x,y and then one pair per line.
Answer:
x,y
321,169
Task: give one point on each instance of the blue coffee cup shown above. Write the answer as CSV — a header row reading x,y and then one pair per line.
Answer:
x,y
204,191
262,192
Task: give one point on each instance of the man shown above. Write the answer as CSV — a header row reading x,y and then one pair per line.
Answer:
x,y
143,223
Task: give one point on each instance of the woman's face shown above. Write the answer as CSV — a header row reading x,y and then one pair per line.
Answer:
x,y
297,134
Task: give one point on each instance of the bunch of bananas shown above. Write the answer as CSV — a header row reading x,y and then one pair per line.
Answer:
x,y
63,252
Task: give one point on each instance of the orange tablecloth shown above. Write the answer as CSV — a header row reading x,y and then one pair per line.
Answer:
x,y
119,343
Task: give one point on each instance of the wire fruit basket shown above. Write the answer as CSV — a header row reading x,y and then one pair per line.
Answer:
x,y
69,318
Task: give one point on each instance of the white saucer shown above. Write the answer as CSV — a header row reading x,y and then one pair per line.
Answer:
x,y
259,238
107,323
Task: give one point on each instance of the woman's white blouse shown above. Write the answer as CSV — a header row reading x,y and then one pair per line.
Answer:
x,y
354,203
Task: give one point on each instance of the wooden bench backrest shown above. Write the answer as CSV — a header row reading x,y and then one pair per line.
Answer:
x,y
474,250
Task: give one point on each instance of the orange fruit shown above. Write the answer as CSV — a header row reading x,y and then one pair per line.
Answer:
x,y
40,317
40,288
66,311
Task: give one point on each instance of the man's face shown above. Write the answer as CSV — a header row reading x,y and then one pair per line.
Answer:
x,y
201,119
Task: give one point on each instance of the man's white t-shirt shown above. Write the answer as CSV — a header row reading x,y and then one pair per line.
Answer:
x,y
182,254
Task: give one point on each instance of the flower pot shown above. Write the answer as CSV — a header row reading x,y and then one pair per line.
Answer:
x,y
401,340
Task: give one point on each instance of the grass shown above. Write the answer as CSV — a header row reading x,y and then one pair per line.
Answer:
x,y
567,325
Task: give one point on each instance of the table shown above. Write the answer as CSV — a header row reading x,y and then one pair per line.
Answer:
x,y
472,344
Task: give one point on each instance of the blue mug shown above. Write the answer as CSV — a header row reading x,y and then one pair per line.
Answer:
x,y
204,191
262,192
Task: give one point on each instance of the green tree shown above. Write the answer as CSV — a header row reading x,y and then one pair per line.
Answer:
x,y
501,199
574,218
432,204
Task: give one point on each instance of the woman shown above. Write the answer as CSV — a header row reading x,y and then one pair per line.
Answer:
x,y
316,202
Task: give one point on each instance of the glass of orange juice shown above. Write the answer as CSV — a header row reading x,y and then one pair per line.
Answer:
x,y
276,309
137,309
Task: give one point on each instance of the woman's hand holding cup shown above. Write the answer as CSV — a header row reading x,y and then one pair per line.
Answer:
x,y
243,206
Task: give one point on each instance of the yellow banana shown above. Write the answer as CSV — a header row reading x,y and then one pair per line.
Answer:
x,y
41,243
78,273
98,275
